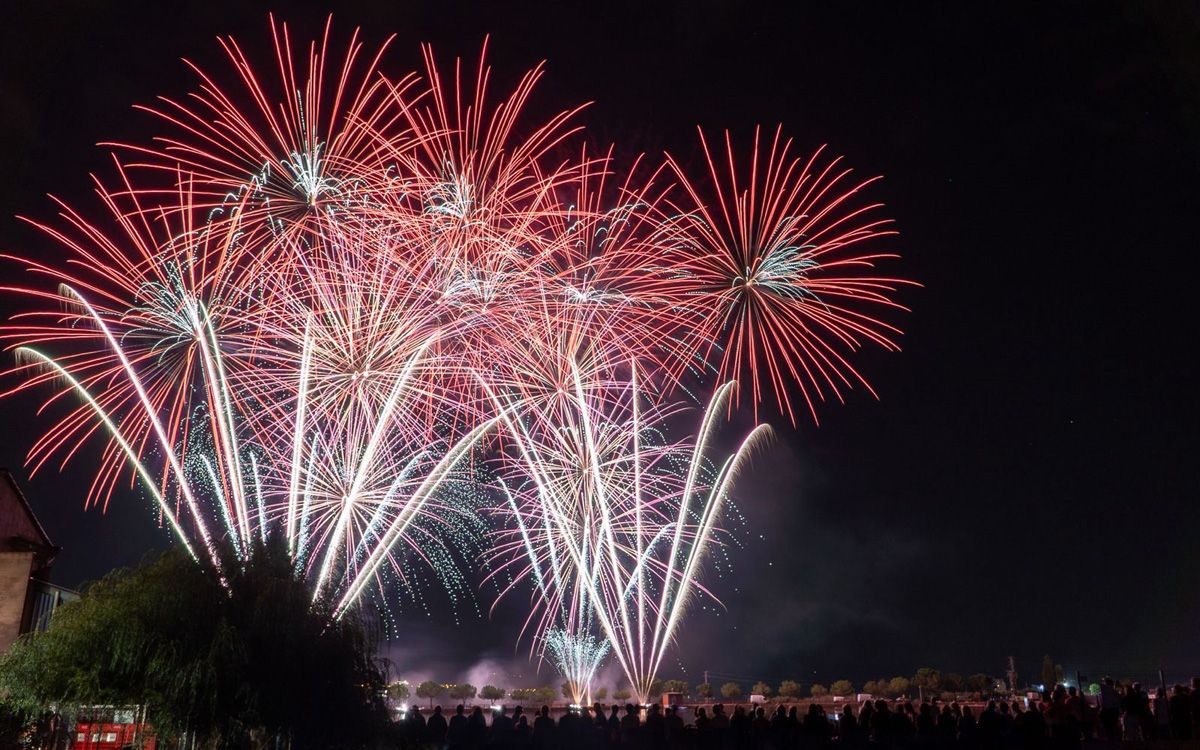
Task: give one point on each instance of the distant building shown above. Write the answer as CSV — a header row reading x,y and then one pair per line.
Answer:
x,y
26,595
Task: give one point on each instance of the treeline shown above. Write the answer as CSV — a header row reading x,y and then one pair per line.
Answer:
x,y
463,692
927,681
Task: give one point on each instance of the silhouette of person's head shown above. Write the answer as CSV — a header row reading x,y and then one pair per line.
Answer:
x,y
458,710
545,710
629,709
437,710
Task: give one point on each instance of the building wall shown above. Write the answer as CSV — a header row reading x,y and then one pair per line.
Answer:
x,y
16,518
15,569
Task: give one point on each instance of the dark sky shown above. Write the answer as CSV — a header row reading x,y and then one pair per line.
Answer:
x,y
1028,482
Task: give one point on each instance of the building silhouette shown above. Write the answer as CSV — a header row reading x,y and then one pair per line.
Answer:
x,y
26,595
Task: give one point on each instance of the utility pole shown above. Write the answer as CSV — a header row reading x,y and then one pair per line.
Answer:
x,y
1012,675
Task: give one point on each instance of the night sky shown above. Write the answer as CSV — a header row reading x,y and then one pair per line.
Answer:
x,y
1028,481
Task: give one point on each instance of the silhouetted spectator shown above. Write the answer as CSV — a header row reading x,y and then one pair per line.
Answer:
x,y
655,728
968,729
416,727
778,735
881,723
543,730
1135,708
502,729
568,733
476,729
599,728
1036,726
1194,699
926,723
456,730
848,733
1081,713
816,726
1180,708
947,726
435,729
1110,710
522,734
904,726
675,729
630,725
864,719
739,728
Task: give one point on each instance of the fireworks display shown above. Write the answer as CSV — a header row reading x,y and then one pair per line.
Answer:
x,y
338,308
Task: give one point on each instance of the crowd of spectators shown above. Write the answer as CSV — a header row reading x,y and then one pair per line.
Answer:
x,y
1062,718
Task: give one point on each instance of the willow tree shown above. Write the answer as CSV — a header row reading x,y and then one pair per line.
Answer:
x,y
221,659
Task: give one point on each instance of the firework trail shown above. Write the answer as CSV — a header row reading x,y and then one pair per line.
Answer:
x,y
577,657
776,273
324,300
613,521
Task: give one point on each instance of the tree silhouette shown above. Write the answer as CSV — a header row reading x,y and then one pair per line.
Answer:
x,y
399,691
898,686
430,689
212,657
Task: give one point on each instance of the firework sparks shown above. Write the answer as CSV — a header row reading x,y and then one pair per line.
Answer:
x,y
776,272
613,522
321,301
